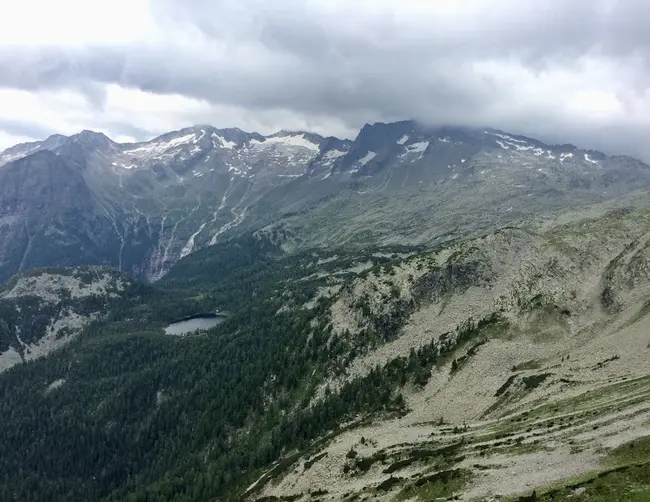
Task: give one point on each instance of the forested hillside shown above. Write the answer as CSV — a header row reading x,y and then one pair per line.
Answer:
x,y
351,374
127,412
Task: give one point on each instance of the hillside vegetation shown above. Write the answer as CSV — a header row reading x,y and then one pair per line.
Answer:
x,y
43,309
497,364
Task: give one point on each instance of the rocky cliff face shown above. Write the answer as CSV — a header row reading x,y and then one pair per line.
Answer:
x,y
49,216
142,207
404,183
139,207
42,310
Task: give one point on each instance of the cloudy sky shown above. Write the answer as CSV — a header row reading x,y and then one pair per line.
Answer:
x,y
562,70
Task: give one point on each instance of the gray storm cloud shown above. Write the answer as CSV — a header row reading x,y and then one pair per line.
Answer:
x,y
574,71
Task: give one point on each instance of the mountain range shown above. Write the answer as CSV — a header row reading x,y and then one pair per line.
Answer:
x,y
422,313
140,207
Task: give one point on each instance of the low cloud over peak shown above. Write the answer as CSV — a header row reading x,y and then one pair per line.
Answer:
x,y
563,71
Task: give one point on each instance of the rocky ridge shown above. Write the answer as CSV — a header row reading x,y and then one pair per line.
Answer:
x,y
545,376
43,310
141,207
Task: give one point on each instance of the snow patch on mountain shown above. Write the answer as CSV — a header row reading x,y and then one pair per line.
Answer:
x,y
156,148
367,158
565,156
331,155
418,147
220,142
509,138
507,142
415,148
124,166
590,160
402,140
286,141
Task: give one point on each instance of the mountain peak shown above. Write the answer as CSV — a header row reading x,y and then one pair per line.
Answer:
x,y
87,139
24,149
88,135
55,138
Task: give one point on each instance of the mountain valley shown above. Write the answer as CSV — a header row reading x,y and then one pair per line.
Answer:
x,y
417,314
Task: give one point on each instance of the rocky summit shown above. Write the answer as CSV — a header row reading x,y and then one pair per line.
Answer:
x,y
418,314
142,207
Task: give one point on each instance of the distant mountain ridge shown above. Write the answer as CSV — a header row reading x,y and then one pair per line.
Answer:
x,y
140,207
419,313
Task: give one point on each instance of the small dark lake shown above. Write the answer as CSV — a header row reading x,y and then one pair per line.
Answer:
x,y
195,323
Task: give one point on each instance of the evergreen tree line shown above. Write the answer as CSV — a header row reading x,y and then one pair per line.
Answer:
x,y
141,416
